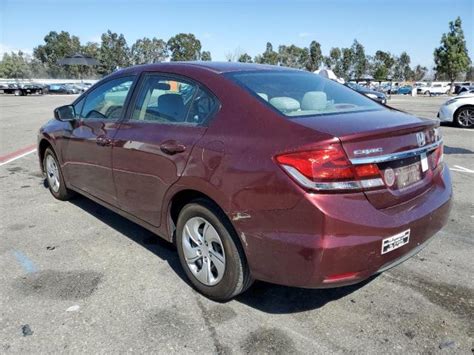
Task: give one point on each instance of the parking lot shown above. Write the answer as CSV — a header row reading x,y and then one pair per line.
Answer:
x,y
79,278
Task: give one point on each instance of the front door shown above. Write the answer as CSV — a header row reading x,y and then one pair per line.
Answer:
x,y
87,153
152,147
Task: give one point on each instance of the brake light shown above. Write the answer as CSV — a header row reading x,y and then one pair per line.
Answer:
x,y
329,169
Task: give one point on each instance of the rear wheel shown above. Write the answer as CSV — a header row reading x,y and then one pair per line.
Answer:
x,y
17,92
465,117
54,176
210,253
427,93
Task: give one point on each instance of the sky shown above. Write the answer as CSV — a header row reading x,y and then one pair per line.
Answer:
x,y
225,26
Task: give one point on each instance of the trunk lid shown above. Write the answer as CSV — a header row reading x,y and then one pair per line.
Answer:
x,y
402,146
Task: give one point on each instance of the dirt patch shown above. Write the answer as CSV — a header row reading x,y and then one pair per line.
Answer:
x,y
63,285
268,341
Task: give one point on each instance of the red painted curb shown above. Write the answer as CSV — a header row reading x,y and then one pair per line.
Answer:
x,y
4,158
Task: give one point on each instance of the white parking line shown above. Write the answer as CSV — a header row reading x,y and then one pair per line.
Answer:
x,y
15,157
462,169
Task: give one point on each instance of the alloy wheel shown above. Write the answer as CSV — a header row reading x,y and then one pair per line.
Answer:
x,y
466,117
203,251
52,173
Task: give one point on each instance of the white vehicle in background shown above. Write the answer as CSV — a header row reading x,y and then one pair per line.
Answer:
x,y
433,89
459,109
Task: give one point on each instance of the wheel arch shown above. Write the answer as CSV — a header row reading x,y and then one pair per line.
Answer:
x,y
42,146
180,199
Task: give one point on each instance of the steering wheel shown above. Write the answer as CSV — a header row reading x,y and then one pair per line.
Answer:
x,y
95,114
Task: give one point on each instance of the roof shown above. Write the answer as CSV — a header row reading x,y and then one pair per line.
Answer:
x,y
216,67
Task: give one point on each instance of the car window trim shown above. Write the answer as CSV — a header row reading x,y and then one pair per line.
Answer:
x,y
125,104
178,77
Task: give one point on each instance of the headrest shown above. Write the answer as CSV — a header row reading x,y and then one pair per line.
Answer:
x,y
285,104
171,105
314,100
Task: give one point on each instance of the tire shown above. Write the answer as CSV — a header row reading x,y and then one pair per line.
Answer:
x,y
464,117
427,93
54,177
210,252
17,92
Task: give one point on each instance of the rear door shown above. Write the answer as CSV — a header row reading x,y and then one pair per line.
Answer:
x,y
167,117
87,152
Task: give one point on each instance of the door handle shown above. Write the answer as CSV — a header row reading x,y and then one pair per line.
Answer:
x,y
172,147
103,141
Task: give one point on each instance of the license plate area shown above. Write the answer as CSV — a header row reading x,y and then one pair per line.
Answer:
x,y
404,173
396,241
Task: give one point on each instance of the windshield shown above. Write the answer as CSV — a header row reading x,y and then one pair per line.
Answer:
x,y
295,93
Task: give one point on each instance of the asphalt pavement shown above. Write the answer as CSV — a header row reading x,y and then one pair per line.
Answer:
x,y
77,278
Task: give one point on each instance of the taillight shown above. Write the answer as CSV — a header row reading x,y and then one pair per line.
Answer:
x,y
328,169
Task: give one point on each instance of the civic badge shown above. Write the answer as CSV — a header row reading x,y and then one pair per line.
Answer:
x,y
421,139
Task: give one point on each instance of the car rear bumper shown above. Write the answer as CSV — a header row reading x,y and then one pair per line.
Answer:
x,y
339,242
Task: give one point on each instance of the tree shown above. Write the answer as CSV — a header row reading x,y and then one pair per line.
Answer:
x,y
419,73
268,57
470,74
245,58
346,63
359,60
90,49
184,46
402,70
113,53
293,56
206,56
56,47
315,56
14,66
452,58
334,61
146,50
383,63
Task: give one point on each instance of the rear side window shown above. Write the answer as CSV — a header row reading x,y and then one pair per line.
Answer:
x,y
163,99
298,93
107,100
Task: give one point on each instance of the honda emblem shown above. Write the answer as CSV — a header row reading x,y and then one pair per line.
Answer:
x,y
421,139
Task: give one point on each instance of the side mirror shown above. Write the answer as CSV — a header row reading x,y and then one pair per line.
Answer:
x,y
65,113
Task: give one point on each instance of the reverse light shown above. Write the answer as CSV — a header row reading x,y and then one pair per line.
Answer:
x,y
329,169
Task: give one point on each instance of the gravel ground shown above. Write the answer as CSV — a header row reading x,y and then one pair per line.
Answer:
x,y
78,278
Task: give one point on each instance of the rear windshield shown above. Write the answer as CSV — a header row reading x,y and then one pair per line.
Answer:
x,y
296,94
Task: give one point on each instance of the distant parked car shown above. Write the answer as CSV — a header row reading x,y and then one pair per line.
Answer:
x,y
374,95
459,87
464,89
23,89
459,110
434,89
405,90
62,89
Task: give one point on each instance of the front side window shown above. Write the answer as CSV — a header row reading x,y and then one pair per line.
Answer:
x,y
107,101
295,93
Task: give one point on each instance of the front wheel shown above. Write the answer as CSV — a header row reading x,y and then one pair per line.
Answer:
x,y
465,117
54,176
210,252
427,93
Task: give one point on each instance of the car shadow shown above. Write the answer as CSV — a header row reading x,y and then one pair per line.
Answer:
x,y
455,150
276,299
265,297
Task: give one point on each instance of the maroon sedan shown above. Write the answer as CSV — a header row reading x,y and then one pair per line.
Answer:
x,y
254,172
